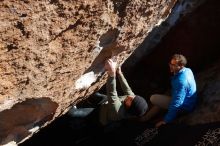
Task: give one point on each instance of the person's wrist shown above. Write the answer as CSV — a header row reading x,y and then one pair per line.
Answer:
x,y
111,74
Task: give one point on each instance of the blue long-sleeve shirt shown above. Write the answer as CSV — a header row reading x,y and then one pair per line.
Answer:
x,y
183,94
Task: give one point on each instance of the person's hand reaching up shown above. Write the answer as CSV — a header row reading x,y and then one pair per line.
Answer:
x,y
110,67
119,70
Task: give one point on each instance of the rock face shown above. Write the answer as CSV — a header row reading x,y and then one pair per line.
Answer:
x,y
52,54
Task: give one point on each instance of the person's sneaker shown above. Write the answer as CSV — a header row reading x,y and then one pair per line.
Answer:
x,y
79,113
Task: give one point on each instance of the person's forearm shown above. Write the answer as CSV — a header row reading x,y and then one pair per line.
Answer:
x,y
124,84
171,114
111,86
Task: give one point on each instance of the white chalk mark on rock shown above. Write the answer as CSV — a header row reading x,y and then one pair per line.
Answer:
x,y
86,80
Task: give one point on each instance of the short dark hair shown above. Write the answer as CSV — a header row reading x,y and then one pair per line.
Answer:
x,y
181,60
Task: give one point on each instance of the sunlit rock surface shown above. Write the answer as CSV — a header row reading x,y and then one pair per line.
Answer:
x,y
52,54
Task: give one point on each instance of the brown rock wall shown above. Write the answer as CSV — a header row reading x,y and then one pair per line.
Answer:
x,y
56,49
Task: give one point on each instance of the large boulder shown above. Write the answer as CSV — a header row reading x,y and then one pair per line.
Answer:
x,y
52,54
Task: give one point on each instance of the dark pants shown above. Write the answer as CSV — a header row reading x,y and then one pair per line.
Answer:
x,y
90,114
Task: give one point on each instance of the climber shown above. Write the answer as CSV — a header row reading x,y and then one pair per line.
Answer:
x,y
117,107
120,107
